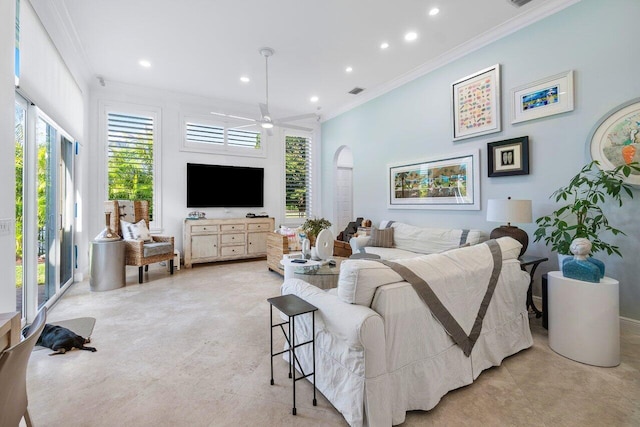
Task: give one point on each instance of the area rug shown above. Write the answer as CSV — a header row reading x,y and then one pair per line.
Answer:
x,y
82,326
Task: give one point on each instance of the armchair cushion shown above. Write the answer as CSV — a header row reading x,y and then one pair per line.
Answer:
x,y
137,231
157,248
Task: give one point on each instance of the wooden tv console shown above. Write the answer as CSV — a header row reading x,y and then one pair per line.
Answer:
x,y
210,240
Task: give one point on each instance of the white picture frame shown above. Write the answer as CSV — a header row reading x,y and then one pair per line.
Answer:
x,y
475,101
545,97
446,182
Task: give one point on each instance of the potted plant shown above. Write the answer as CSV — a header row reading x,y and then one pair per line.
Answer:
x,y
582,215
312,227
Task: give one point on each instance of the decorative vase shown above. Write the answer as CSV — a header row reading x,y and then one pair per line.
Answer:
x,y
306,248
107,234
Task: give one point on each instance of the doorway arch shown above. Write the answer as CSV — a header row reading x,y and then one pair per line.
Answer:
x,y
343,190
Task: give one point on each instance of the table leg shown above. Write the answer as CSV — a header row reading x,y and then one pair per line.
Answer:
x,y
530,303
271,340
313,349
292,338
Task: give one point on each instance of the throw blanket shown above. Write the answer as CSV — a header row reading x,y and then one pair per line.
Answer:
x,y
440,312
127,211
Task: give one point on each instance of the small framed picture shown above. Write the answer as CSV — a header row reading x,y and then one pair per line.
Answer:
x,y
546,97
475,101
508,157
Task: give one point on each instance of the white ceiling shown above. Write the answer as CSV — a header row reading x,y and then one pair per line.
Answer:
x,y
202,47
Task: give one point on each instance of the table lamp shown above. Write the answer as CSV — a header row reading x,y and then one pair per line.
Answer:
x,y
509,210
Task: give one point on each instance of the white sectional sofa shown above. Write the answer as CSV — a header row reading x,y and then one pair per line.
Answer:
x,y
379,350
410,241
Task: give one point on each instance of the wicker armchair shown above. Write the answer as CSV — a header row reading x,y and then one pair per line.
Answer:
x,y
161,249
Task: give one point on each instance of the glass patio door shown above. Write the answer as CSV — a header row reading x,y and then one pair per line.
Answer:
x,y
66,205
45,208
46,205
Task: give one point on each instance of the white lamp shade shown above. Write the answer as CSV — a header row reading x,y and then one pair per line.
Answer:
x,y
509,211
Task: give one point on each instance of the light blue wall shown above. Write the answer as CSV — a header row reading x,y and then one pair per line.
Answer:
x,y
598,40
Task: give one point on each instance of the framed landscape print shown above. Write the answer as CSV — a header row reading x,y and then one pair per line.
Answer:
x,y
444,182
475,101
546,97
508,157
615,140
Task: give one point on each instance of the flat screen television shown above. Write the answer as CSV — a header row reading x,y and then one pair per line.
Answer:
x,y
217,186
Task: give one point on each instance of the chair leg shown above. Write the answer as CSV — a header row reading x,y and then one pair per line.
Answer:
x,y
27,418
139,274
146,267
171,266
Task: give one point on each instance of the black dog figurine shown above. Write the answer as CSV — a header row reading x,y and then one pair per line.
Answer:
x,y
60,339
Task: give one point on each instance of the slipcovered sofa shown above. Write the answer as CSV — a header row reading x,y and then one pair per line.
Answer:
x,y
379,349
410,241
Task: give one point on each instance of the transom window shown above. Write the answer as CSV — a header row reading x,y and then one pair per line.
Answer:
x,y
228,137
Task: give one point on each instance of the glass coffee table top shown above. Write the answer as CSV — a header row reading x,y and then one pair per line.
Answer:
x,y
322,269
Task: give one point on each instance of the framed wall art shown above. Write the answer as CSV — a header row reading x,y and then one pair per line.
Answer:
x,y
508,157
444,182
475,101
545,97
615,140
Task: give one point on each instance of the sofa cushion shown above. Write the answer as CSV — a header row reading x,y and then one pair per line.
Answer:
x,y
381,238
390,253
426,240
359,280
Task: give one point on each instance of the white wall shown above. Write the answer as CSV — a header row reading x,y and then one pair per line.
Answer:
x,y
596,39
173,170
7,155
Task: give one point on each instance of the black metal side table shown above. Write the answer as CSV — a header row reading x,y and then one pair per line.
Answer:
x,y
534,262
292,306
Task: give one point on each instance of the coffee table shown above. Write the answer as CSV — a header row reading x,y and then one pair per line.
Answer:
x,y
320,274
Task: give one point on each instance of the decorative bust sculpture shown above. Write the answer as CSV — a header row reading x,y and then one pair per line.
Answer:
x,y
582,266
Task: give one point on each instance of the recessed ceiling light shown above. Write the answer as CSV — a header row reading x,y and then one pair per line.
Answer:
x,y
245,79
384,45
411,36
348,69
434,11
144,63
314,99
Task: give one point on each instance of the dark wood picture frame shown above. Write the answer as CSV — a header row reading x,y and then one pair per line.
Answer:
x,y
508,157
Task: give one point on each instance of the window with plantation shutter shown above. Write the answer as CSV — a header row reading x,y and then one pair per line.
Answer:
x,y
298,176
203,134
131,158
229,136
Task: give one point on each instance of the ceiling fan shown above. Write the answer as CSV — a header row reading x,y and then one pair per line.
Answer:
x,y
266,121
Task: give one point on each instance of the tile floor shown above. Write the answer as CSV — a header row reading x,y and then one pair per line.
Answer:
x,y
192,349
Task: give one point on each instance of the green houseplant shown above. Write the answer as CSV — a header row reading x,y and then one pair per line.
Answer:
x,y
312,227
582,215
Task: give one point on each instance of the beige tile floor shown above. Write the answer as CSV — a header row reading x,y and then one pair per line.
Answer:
x,y
192,349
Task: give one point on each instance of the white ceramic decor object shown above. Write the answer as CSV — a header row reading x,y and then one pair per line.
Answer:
x,y
306,248
324,244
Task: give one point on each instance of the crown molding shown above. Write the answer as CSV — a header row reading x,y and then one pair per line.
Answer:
x,y
509,27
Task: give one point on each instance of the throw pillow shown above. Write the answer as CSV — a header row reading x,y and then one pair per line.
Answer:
x,y
137,231
381,238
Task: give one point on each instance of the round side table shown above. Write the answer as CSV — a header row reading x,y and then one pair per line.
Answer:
x,y
584,322
107,265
